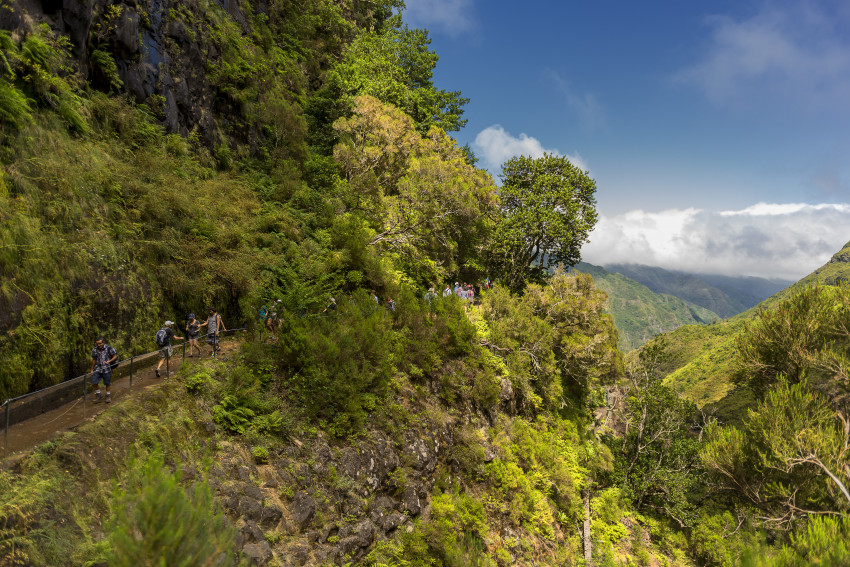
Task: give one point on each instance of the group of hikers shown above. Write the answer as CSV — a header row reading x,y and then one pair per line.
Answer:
x,y
269,315
105,358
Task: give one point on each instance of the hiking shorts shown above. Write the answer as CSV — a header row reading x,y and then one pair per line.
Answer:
x,y
166,352
99,375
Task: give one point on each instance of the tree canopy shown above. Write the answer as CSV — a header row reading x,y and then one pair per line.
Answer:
x,y
547,211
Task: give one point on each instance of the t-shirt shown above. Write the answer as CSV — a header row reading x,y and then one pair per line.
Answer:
x,y
169,332
212,324
101,356
194,329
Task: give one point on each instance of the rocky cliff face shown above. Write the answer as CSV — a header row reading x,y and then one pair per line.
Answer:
x,y
330,503
842,256
161,58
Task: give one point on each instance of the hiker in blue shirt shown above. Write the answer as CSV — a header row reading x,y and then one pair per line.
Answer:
x,y
102,356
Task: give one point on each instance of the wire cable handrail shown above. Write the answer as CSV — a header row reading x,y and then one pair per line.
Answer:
x,y
70,382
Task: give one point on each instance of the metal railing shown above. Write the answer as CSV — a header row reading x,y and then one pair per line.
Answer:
x,y
32,404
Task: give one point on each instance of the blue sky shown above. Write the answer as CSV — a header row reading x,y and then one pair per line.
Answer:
x,y
718,133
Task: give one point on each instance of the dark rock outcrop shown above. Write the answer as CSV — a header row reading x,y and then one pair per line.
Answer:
x,y
161,59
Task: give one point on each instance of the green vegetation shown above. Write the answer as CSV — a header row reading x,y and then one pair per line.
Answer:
x,y
155,520
548,209
403,433
702,364
639,313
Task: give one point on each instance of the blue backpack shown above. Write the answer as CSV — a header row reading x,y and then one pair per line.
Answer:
x,y
161,337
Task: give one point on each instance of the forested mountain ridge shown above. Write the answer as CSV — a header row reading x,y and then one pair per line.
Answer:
x,y
639,313
163,157
726,296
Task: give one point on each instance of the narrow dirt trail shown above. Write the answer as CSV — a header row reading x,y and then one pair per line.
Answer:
x,y
44,427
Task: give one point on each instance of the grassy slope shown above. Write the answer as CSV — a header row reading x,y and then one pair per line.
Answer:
x,y
702,357
640,313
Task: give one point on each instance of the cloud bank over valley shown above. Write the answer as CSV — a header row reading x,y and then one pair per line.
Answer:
x,y
767,240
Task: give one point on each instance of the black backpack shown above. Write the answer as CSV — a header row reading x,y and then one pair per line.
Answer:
x,y
161,337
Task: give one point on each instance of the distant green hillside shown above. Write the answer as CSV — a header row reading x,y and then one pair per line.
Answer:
x,y
726,296
834,272
639,313
701,358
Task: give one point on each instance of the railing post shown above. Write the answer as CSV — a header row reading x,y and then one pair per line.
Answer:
x,y
131,371
6,430
184,351
167,363
85,394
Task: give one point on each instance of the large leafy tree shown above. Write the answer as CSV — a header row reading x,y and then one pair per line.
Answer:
x,y
547,211
423,203
394,65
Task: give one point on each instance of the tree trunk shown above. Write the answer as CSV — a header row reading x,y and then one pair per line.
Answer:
x,y
588,545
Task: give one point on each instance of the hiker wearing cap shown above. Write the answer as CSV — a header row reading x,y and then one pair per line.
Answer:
x,y
214,326
163,340
193,331
331,306
102,357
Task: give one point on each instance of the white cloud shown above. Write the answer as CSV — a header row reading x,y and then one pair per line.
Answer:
x,y
768,240
495,146
800,53
449,16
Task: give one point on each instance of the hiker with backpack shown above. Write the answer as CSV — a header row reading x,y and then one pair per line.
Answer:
x,y
273,320
103,359
193,331
163,341
214,327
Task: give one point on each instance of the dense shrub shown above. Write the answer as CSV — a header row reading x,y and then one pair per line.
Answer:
x,y
158,521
